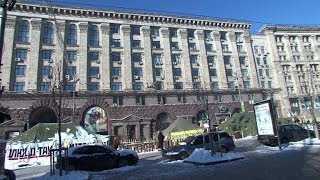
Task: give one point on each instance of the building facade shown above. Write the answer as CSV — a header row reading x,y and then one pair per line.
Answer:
x,y
132,73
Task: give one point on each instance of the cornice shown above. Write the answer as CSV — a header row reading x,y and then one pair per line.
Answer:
x,y
289,28
130,15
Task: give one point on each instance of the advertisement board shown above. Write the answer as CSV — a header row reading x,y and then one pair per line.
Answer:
x,y
264,118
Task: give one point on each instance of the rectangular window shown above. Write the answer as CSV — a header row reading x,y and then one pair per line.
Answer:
x,y
229,72
19,86
71,70
213,72
69,86
267,72
173,32
269,84
256,49
240,48
154,31
140,100
115,56
246,84
225,48
209,47
174,45
136,57
190,33
93,56
162,99
118,100
20,70
178,85
94,86
192,46
223,35
158,72
72,55
235,97
182,98
116,86
230,84
21,53
46,70
135,30
156,45
116,71
115,43
45,86
137,71
177,72
194,59
244,72
262,49
156,58
227,60
242,60
195,72
211,59
176,58
197,85
258,61
115,29
265,60
260,72
93,71
238,37
136,43
214,85
46,55
137,86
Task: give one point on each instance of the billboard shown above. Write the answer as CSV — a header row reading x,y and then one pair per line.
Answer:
x,y
264,118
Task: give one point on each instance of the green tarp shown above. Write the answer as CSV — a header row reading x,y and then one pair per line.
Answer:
x,y
181,128
43,132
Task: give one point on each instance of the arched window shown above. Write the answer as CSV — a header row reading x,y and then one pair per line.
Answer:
x,y
48,33
23,31
93,35
72,34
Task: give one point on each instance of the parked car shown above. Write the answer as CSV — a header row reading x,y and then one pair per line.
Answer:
x,y
185,149
287,133
96,158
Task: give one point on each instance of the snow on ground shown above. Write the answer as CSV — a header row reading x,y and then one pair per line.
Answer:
x,y
308,141
203,156
74,175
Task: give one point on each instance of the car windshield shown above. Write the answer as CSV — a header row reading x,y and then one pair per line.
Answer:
x,y
189,139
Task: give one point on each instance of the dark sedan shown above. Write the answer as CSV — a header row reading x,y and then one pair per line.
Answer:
x,y
96,158
185,149
287,133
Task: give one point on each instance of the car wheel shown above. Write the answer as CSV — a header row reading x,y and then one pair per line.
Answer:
x,y
183,155
223,149
123,162
284,141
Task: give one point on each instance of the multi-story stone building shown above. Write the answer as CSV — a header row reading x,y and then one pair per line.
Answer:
x,y
294,59
133,72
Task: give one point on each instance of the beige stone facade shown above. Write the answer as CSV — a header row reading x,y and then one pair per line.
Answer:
x,y
144,69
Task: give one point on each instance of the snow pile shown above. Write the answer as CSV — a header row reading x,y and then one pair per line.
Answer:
x,y
78,175
203,156
308,141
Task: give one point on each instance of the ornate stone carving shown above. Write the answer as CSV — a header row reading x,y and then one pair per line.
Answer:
x,y
36,25
183,33
216,36
83,27
105,28
232,37
246,38
164,32
200,34
125,29
145,31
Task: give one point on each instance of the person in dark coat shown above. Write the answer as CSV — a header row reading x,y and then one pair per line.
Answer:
x,y
116,142
160,140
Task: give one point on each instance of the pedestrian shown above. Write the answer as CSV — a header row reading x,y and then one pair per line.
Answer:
x,y
115,142
160,140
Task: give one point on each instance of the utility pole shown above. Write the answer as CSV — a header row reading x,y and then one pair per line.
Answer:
x,y
5,5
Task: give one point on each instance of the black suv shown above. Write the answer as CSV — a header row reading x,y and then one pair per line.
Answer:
x,y
287,133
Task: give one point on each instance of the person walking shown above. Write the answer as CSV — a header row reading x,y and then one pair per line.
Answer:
x,y
160,140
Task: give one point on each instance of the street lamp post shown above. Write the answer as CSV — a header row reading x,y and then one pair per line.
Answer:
x,y
75,80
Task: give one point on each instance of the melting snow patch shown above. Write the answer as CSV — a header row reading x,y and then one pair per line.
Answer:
x,y
312,141
202,156
79,175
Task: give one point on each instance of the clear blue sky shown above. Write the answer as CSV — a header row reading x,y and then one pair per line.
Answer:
x,y
256,11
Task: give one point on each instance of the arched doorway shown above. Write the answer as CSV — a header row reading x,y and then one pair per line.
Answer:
x,y
41,114
96,120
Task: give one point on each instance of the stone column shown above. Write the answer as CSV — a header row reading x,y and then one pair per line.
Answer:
x,y
59,56
185,59
313,41
82,56
205,77
251,61
147,58
8,56
221,71
147,130
33,58
105,57
235,58
167,68
279,80
127,64
287,48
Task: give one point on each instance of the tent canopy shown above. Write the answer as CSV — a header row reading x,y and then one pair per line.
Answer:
x,y
43,131
181,127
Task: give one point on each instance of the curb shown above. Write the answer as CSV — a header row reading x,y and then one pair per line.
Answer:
x,y
213,162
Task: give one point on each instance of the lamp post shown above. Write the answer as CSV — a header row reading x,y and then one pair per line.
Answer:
x,y
75,80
